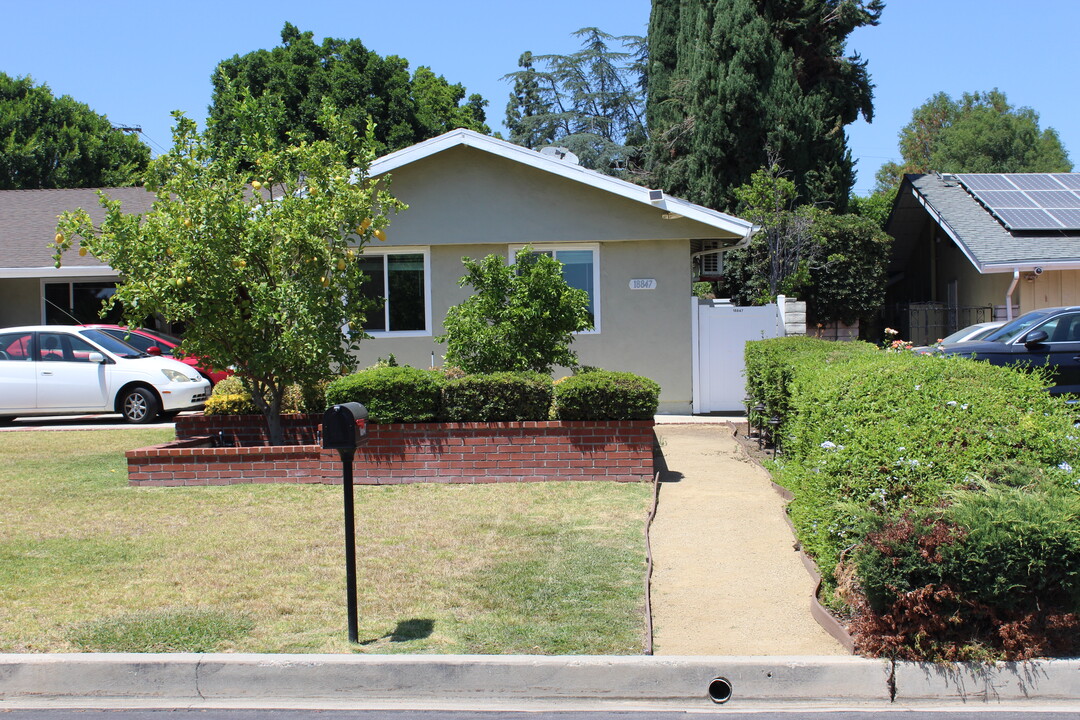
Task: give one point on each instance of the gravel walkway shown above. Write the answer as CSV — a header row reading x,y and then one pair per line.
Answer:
x,y
727,579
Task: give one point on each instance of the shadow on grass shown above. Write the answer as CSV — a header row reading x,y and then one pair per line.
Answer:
x,y
405,631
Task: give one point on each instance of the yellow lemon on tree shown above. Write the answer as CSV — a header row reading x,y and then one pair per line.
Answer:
x,y
340,264
381,235
188,223
82,252
59,238
256,184
364,225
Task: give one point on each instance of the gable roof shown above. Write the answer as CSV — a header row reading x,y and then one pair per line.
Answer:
x,y
986,243
28,226
655,198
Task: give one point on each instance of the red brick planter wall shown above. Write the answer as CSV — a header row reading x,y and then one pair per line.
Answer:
x,y
403,453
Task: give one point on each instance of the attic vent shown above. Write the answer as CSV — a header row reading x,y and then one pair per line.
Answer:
x,y
949,179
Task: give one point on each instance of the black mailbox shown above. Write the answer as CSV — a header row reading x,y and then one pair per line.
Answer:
x,y
345,426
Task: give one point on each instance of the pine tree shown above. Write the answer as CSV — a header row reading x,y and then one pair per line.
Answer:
x,y
731,81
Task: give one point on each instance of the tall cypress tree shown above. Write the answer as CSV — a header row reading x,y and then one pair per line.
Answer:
x,y
732,81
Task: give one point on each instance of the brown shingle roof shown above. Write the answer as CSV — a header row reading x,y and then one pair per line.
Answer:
x,y
28,222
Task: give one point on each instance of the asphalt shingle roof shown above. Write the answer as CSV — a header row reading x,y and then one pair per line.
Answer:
x,y
28,222
981,235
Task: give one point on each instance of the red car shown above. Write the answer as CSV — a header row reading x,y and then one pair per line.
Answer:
x,y
153,342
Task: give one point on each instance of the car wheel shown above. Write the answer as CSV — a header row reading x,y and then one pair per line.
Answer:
x,y
139,405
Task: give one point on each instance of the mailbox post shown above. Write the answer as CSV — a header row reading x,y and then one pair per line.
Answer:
x,y
345,429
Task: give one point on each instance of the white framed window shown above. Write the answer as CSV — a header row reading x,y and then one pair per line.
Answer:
x,y
581,270
401,279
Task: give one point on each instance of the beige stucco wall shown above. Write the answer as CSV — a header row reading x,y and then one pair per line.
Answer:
x,y
464,196
20,302
1052,288
641,331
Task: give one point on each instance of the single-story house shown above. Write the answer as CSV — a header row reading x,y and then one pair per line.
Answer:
x,y
629,247
981,246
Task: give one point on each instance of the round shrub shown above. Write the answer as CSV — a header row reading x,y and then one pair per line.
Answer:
x,y
497,397
391,394
234,404
606,395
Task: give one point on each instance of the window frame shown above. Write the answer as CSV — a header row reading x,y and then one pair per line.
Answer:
x,y
71,282
555,248
383,252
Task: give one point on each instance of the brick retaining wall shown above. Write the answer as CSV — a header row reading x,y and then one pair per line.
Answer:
x,y
619,451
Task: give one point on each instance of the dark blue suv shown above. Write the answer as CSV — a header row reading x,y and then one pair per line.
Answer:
x,y
1048,337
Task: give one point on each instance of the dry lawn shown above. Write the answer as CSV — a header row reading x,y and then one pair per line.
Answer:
x,y
530,568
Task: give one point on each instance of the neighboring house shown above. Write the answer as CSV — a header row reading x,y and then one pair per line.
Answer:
x,y
629,247
32,290
978,247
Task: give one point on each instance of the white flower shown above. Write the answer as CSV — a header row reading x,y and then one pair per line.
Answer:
x,y
1065,466
828,445
951,403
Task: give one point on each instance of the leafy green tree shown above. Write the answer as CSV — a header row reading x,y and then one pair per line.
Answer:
x,y
777,261
875,206
250,250
979,133
58,142
836,263
520,317
847,280
590,101
730,81
297,75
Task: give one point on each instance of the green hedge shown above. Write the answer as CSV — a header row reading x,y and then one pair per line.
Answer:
x,y
606,395
391,394
496,397
937,493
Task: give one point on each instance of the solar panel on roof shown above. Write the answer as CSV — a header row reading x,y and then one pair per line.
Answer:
x,y
1069,218
1024,219
985,182
1047,199
1006,199
1069,180
1028,201
1034,181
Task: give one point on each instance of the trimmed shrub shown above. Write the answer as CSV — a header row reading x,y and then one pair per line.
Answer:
x,y
937,494
497,397
233,404
391,394
606,395
294,400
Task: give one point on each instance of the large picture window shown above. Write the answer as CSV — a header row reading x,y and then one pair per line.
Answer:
x,y
399,281
77,303
580,269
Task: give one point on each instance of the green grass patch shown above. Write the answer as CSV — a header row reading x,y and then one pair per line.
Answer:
x,y
533,567
196,630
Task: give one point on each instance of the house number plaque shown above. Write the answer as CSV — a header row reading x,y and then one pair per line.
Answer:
x,y
643,284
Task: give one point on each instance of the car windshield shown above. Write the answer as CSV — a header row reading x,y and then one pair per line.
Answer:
x,y
116,347
161,336
1011,331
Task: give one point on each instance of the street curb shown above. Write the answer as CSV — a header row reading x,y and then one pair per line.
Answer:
x,y
273,679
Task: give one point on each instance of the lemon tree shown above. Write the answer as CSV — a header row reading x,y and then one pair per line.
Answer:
x,y
252,247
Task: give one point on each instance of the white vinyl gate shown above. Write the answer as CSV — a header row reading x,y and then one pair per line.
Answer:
x,y
719,335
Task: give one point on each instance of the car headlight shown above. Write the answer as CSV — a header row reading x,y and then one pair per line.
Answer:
x,y
176,375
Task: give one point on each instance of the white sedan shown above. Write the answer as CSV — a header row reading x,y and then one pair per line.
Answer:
x,y
65,370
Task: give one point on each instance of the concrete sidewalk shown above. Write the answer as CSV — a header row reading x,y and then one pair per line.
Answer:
x,y
727,579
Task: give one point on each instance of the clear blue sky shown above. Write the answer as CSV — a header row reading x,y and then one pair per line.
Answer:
x,y
137,61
